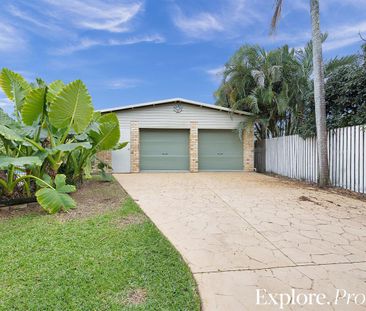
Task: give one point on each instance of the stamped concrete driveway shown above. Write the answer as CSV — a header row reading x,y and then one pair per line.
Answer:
x,y
243,232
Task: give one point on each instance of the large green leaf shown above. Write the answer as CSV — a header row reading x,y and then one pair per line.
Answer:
x,y
70,147
53,201
109,132
5,162
15,87
2,147
47,180
19,96
60,182
54,89
33,106
120,146
72,107
5,119
96,115
9,79
9,134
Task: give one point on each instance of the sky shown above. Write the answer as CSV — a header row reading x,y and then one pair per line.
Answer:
x,y
134,51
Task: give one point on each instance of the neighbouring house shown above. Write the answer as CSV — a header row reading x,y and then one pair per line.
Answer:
x,y
182,135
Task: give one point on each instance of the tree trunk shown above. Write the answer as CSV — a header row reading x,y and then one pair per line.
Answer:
x,y
319,96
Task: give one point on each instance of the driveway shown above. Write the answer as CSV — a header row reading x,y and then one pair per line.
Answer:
x,y
248,236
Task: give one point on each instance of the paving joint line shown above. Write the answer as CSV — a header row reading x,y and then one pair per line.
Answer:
x,y
281,267
261,234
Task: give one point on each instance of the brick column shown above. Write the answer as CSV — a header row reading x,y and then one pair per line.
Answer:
x,y
135,147
248,145
106,157
193,148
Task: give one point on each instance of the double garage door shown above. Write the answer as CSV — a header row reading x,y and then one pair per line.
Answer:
x,y
218,150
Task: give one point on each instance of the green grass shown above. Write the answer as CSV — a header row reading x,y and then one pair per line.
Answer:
x,y
90,264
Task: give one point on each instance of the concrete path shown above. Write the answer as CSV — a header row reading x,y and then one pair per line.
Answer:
x,y
246,235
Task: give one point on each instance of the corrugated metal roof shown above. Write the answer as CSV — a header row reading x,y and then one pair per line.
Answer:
x,y
175,100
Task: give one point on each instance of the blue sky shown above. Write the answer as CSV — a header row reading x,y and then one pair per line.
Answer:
x,y
132,51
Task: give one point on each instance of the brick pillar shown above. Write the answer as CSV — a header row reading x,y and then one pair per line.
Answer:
x,y
106,157
248,145
193,148
135,147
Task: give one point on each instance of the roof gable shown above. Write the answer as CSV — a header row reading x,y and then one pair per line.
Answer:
x,y
176,100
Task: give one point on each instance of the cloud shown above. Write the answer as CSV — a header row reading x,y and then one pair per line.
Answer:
x,y
83,44
156,38
23,15
10,38
87,43
109,16
216,73
344,35
360,4
225,16
197,25
123,83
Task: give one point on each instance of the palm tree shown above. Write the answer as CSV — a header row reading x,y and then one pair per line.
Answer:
x,y
263,83
319,87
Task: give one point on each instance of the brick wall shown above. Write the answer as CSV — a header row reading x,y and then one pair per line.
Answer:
x,y
105,156
248,145
193,148
135,147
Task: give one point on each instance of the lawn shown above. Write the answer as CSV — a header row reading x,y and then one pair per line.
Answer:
x,y
105,256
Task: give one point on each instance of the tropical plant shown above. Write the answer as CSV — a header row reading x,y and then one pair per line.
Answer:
x,y
345,99
252,72
56,131
263,83
319,87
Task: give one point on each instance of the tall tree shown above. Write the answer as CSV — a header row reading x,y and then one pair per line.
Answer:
x,y
264,83
319,87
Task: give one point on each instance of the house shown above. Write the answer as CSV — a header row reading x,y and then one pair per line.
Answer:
x,y
182,135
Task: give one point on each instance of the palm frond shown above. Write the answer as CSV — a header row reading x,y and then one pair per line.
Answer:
x,y
258,77
336,62
276,15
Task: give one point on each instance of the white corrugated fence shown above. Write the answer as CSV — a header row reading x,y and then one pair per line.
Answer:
x,y
295,157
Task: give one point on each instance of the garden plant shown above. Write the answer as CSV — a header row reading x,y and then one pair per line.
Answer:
x,y
47,147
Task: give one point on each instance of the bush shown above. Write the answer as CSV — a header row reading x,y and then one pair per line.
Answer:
x,y
55,130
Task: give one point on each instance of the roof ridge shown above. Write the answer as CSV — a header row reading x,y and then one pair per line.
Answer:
x,y
175,99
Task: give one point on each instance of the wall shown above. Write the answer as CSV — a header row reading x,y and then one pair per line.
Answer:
x,y
164,116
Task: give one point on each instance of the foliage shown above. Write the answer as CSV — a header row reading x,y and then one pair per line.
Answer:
x,y
55,198
56,131
345,99
104,176
261,82
275,86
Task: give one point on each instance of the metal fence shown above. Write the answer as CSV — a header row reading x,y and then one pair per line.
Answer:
x,y
295,157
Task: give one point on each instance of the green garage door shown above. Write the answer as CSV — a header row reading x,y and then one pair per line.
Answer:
x,y
164,149
219,150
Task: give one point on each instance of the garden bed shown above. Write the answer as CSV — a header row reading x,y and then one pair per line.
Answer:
x,y
104,255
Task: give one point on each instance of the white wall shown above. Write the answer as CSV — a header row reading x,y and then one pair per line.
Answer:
x,y
164,116
121,158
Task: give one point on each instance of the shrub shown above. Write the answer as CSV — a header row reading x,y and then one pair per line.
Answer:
x,y
55,130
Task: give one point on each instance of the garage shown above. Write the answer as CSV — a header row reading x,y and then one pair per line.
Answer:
x,y
182,135
164,150
219,150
